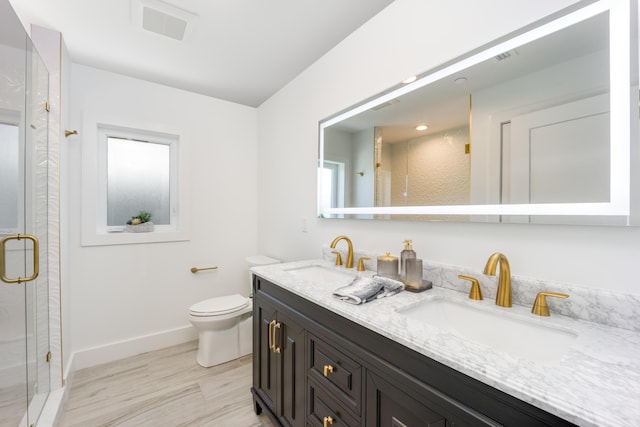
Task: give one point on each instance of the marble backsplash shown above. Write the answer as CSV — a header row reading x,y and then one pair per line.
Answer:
x,y
594,305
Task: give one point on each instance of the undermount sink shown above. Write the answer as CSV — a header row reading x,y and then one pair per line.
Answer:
x,y
520,337
322,274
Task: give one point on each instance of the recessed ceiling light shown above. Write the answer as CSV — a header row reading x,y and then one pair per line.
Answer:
x,y
422,127
460,80
409,80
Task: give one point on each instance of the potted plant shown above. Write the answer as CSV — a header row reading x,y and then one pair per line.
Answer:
x,y
140,223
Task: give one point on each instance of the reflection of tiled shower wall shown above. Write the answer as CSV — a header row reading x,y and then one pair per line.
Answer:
x,y
433,170
438,169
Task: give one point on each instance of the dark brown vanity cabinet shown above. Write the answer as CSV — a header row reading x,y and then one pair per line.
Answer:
x,y
279,350
313,367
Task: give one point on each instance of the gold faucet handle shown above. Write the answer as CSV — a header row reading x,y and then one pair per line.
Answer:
x,y
361,261
338,257
475,292
540,306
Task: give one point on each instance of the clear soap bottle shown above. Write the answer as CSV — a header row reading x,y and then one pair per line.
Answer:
x,y
406,254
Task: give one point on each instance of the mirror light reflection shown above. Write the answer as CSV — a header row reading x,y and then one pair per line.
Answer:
x,y
520,130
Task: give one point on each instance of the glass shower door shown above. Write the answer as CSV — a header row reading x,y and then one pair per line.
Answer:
x,y
24,303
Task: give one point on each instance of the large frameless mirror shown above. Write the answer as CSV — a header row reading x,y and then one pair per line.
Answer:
x,y
534,128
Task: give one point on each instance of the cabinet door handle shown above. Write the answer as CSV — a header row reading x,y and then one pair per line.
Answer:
x,y
271,331
276,348
328,369
327,421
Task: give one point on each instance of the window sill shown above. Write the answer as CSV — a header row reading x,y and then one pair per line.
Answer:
x,y
125,238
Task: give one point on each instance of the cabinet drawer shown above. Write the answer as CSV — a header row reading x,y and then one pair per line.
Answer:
x,y
389,406
322,406
337,372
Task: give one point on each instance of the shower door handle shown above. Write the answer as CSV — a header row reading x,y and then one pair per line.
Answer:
x,y
36,258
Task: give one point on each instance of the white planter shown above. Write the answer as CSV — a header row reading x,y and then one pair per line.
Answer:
x,y
145,227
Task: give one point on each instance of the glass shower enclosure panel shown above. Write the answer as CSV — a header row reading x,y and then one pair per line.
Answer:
x,y
24,301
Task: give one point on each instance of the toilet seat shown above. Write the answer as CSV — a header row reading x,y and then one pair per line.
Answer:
x,y
220,305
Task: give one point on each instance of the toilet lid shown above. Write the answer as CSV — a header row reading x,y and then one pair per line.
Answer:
x,y
220,305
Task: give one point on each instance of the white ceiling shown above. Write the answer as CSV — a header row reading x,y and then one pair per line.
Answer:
x,y
240,50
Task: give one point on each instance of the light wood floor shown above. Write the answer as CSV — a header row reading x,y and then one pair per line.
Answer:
x,y
164,388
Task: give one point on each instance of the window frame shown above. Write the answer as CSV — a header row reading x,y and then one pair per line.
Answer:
x,y
108,131
94,229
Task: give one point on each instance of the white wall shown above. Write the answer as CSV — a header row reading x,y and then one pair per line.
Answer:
x,y
338,148
362,156
123,292
382,52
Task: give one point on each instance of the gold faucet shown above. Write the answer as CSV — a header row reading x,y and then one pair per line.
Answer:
x,y
349,254
503,296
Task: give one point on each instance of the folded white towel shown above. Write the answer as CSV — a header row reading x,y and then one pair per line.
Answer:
x,y
362,289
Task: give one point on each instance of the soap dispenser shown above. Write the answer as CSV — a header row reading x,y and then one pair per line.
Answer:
x,y
407,253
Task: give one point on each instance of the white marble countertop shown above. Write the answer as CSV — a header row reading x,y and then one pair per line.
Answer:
x,y
596,383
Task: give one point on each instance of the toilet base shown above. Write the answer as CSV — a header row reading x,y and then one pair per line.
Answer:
x,y
223,345
245,336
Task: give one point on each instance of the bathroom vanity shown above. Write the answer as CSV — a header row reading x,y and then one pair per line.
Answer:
x,y
320,361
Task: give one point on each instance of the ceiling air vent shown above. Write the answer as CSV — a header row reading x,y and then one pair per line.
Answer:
x,y
506,55
385,104
162,18
161,23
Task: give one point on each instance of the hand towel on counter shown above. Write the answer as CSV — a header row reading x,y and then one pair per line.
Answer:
x,y
363,289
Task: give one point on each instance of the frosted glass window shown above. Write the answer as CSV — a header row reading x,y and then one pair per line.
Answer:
x,y
9,177
138,179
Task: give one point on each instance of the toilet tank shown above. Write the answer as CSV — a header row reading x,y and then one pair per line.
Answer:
x,y
255,261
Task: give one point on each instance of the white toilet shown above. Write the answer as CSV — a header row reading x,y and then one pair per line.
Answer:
x,y
224,323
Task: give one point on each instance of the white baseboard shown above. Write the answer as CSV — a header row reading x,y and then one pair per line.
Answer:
x,y
119,350
52,411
